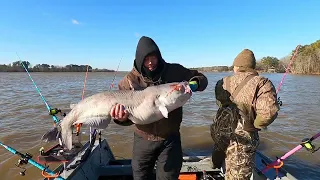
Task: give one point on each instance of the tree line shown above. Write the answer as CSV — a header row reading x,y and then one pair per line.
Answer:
x,y
307,61
17,67
266,64
272,64
214,69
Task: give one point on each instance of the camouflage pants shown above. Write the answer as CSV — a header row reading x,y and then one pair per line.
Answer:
x,y
238,152
240,157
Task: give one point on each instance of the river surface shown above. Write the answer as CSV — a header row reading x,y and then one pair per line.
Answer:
x,y
24,118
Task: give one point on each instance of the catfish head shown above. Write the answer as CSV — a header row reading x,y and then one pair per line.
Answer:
x,y
172,96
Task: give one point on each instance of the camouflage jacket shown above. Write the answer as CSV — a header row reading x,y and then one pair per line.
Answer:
x,y
258,98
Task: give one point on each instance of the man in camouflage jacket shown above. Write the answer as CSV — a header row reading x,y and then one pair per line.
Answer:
x,y
258,108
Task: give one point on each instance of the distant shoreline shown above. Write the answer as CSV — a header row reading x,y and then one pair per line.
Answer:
x,y
213,69
113,72
305,63
65,72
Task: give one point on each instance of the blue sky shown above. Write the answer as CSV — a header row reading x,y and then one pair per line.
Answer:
x,y
193,33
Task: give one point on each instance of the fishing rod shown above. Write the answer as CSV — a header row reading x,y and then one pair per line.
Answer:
x,y
51,111
115,73
78,126
111,86
287,71
85,82
306,143
27,158
92,133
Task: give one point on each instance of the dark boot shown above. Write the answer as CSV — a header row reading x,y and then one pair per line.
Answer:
x,y
218,157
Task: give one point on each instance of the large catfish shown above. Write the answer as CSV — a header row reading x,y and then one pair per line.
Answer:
x,y
144,107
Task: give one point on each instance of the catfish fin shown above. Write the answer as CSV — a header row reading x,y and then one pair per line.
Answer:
x,y
164,111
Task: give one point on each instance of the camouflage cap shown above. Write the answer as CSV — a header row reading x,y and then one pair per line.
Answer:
x,y
245,59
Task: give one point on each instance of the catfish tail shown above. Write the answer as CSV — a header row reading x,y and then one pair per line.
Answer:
x,y
63,131
52,135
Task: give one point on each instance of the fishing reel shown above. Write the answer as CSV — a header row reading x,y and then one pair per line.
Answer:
x,y
55,111
23,161
279,101
307,143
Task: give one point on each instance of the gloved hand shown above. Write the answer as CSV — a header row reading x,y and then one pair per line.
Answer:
x,y
193,85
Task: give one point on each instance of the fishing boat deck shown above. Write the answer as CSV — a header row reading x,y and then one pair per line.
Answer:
x,y
101,164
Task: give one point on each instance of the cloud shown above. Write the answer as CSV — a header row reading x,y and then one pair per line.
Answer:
x,y
75,22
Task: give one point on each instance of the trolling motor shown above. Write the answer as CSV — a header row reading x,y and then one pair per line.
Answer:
x,y
55,111
23,161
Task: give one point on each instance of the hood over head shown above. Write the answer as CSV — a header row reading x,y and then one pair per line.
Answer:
x,y
145,47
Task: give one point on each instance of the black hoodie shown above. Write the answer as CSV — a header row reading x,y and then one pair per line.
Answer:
x,y
145,47
167,73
